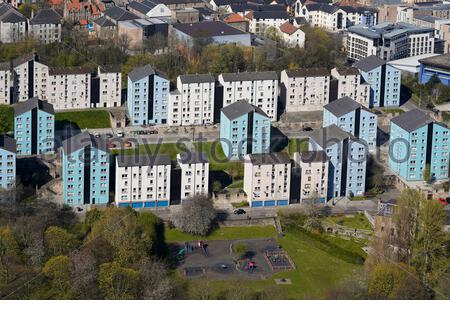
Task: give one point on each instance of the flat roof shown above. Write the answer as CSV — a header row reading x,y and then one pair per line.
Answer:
x,y
206,29
440,61
269,158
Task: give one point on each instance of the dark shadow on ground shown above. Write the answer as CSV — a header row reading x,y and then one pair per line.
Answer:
x,y
278,141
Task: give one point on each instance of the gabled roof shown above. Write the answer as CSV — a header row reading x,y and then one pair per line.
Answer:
x,y
196,78
7,143
249,76
103,21
32,103
119,14
369,63
143,160
46,16
240,108
412,120
207,29
234,18
83,140
270,15
141,72
54,71
192,157
308,72
13,17
343,106
440,61
25,58
269,158
141,7
4,66
347,71
330,135
313,156
288,28
110,68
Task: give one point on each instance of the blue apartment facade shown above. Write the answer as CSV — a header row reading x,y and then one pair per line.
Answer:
x,y
353,118
347,160
7,162
148,96
384,81
244,129
34,127
438,65
415,142
85,170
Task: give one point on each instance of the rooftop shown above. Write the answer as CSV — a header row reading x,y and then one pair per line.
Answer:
x,y
141,72
46,16
269,158
143,160
347,71
329,136
54,71
369,63
196,78
313,156
83,140
7,143
288,28
412,120
308,72
250,76
240,108
207,29
32,103
343,106
388,30
440,61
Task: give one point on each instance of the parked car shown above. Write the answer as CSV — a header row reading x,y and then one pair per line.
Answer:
x,y
96,134
109,135
442,201
120,134
153,132
239,211
307,129
448,200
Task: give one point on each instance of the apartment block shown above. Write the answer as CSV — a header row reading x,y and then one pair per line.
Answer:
x,y
347,82
384,81
347,160
415,142
46,26
110,86
194,174
389,41
13,24
148,96
259,21
305,89
31,78
258,88
85,170
354,118
34,127
192,103
313,167
244,129
142,181
267,179
7,162
5,83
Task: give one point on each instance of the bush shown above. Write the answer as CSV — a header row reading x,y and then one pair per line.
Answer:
x,y
196,216
240,249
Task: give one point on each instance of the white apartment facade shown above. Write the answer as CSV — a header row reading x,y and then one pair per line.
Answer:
x,y
192,103
331,18
305,89
13,24
313,167
142,181
46,26
30,78
267,179
350,84
5,83
194,174
110,86
69,88
260,21
258,88
292,36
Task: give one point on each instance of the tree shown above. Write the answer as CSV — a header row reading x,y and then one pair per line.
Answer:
x,y
429,255
427,174
117,282
156,282
216,186
273,34
240,249
196,216
58,270
235,169
9,254
155,43
389,281
59,241
152,229
6,119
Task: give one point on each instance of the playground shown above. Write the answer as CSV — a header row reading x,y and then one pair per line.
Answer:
x,y
217,260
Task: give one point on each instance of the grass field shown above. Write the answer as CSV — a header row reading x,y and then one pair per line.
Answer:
x,y
316,271
358,221
91,119
227,233
297,145
170,149
217,159
6,119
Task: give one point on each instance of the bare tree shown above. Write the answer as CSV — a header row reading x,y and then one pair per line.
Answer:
x,y
196,216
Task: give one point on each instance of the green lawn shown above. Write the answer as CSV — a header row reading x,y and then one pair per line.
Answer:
x,y
217,159
297,145
6,119
170,149
225,233
358,221
394,110
316,272
91,119
239,184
